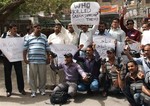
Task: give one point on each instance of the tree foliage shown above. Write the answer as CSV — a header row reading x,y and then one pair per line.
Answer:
x,y
31,7
7,8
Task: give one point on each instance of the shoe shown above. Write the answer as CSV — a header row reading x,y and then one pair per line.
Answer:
x,y
33,95
8,94
43,93
23,92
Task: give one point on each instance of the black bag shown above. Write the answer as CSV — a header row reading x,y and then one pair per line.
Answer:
x,y
136,87
59,97
145,98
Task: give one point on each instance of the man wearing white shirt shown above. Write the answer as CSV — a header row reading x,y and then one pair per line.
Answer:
x,y
58,37
85,34
102,30
116,32
72,35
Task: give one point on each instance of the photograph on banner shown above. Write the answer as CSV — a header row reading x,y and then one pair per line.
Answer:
x,y
146,38
61,49
12,48
85,13
103,44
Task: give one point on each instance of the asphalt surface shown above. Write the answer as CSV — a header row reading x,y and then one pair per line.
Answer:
x,y
82,99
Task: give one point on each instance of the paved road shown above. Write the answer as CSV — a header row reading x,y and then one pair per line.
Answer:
x,y
82,99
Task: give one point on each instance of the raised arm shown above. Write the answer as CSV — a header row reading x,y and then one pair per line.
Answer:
x,y
123,27
76,29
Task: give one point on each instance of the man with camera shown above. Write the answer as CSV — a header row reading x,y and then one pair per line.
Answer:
x,y
71,70
108,76
144,61
91,65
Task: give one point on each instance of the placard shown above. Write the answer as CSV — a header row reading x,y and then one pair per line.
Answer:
x,y
12,48
85,13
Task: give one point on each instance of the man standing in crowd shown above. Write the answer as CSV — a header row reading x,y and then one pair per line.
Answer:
x,y
29,30
12,32
102,30
72,37
116,32
85,35
131,33
58,37
37,48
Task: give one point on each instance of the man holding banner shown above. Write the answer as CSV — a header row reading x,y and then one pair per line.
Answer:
x,y
58,37
12,33
85,14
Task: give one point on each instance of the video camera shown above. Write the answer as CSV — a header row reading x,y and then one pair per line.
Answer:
x,y
54,55
118,66
133,53
89,75
103,61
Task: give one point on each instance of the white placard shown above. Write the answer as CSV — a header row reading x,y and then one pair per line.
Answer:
x,y
12,48
135,46
61,49
103,44
120,48
146,38
121,45
85,13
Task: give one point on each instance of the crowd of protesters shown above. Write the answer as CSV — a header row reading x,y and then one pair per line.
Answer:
x,y
90,72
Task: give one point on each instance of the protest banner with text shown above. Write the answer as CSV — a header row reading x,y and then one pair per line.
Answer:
x,y
61,49
12,48
85,13
103,44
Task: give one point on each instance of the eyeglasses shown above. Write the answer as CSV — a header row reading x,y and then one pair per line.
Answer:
x,y
129,23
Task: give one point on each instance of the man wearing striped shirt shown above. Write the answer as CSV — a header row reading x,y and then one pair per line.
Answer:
x,y
108,76
37,48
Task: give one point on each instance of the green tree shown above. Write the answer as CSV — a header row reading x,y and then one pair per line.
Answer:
x,y
7,8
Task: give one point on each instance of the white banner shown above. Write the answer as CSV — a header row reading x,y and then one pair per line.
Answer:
x,y
61,49
12,48
85,13
120,48
121,45
103,44
146,38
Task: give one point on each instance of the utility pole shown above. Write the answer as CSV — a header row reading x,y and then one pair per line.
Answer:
x,y
138,12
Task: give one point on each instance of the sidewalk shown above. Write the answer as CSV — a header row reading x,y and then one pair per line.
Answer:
x,y
82,99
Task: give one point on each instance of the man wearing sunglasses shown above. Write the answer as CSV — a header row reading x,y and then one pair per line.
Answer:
x,y
131,33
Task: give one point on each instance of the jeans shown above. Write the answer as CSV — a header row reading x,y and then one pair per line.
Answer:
x,y
93,86
136,97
